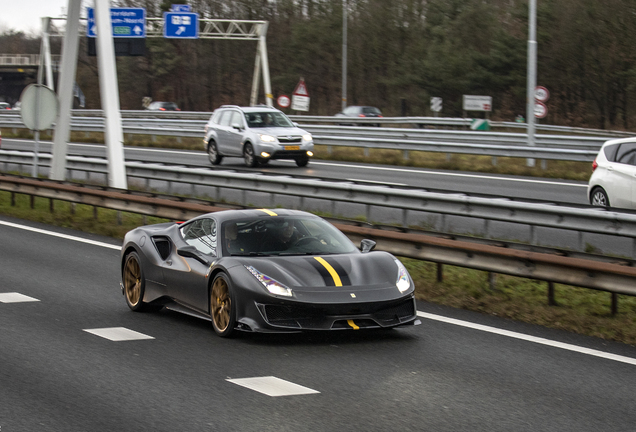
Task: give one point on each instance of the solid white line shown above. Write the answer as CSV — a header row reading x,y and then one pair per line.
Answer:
x,y
449,173
378,182
64,236
528,338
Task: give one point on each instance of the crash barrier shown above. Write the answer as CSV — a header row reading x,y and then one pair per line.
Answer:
x,y
495,144
615,276
415,206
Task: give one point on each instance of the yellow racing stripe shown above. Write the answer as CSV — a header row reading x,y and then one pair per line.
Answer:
x,y
353,325
332,272
269,212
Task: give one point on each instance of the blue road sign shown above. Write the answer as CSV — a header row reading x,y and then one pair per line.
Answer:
x,y
126,22
183,25
180,8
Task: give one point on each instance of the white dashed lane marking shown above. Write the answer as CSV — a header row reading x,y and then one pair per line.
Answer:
x,y
118,334
13,297
272,386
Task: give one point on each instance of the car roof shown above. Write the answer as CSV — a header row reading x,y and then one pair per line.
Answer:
x,y
257,108
226,215
619,141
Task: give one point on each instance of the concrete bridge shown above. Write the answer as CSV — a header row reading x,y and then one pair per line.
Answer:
x,y
18,71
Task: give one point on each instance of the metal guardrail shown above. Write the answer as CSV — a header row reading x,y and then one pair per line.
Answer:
x,y
413,203
615,277
496,144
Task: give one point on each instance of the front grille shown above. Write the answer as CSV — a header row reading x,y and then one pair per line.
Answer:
x,y
289,139
307,317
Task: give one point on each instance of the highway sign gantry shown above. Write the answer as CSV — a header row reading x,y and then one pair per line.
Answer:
x,y
181,25
126,22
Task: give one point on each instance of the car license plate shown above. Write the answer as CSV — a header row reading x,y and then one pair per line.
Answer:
x,y
292,147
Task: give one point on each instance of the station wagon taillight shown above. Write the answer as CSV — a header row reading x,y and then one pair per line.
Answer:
x,y
594,165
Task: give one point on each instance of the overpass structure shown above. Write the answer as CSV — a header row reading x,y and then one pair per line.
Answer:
x,y
18,71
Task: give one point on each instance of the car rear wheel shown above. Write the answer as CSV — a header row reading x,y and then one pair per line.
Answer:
x,y
213,153
134,283
599,198
222,307
249,157
301,162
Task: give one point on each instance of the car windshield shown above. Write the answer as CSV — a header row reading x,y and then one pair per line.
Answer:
x,y
283,236
267,119
371,110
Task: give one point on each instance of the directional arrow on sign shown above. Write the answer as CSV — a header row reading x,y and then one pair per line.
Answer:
x,y
137,29
181,30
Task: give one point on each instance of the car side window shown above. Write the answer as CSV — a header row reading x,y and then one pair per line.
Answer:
x,y
202,235
225,119
349,111
237,119
610,152
625,153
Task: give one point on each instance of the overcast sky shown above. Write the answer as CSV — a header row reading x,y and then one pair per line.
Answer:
x,y
24,15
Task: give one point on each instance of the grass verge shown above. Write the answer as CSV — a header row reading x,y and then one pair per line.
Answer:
x,y
579,310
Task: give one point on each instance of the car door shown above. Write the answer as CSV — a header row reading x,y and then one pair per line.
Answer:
x,y
223,132
235,133
187,277
621,177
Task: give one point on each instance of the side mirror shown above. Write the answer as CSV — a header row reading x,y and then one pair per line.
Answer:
x,y
237,126
192,252
367,245
295,124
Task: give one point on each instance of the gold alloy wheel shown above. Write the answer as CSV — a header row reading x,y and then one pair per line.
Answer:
x,y
220,304
132,281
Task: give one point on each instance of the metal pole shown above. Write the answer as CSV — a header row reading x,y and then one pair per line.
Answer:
x,y
532,75
269,98
46,46
256,77
344,54
109,91
65,90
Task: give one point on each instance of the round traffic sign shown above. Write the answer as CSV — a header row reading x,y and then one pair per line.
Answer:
x,y
283,101
38,107
541,94
540,109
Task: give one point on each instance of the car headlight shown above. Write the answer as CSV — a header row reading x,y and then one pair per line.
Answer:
x,y
307,137
272,285
403,281
267,138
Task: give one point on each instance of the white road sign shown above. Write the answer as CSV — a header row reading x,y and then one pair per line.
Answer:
x,y
477,103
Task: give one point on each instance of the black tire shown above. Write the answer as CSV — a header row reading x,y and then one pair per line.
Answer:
x,y
213,153
222,306
249,157
134,283
599,197
302,162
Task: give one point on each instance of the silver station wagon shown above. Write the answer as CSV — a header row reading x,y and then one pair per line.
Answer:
x,y
258,134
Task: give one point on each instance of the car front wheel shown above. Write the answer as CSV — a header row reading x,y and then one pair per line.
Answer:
x,y
213,153
249,156
134,283
222,307
301,162
599,198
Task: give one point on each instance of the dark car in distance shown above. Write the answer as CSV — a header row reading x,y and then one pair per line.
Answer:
x,y
360,112
163,106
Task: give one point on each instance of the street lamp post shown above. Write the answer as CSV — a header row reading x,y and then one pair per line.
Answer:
x,y
344,54
532,74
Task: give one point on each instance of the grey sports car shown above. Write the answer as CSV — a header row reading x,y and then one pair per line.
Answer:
x,y
265,271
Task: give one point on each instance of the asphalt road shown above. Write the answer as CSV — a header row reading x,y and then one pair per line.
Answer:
x,y
55,375
562,191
